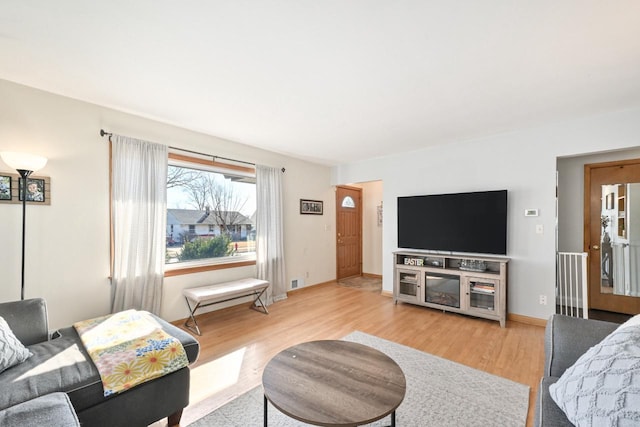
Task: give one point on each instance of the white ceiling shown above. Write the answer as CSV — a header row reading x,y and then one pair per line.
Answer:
x,y
331,81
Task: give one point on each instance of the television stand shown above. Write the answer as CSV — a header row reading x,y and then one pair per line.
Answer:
x,y
472,285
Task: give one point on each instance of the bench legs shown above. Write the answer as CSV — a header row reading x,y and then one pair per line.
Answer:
x,y
192,324
262,304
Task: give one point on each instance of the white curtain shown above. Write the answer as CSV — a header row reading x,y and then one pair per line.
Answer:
x,y
139,215
619,268
269,232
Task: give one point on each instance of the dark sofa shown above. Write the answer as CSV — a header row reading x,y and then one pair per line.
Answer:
x,y
61,364
566,339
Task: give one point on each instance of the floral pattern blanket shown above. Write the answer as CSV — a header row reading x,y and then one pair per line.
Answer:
x,y
129,348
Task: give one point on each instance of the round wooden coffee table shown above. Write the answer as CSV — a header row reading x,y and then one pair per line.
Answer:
x,y
333,383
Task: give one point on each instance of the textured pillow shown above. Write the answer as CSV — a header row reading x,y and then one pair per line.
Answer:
x,y
12,351
603,387
634,321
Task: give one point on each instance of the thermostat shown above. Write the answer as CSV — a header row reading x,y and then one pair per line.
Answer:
x,y
531,212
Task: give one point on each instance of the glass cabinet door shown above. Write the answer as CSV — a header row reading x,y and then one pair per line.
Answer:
x,y
408,284
482,293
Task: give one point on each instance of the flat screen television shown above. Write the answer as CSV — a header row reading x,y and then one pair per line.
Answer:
x,y
462,222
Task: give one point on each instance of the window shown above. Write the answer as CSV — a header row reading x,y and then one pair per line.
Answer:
x,y
348,202
210,215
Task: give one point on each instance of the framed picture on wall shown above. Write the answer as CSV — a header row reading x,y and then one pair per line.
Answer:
x,y
35,190
5,187
310,207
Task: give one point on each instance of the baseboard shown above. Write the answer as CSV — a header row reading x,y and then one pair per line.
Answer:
x,y
386,293
310,286
368,275
526,320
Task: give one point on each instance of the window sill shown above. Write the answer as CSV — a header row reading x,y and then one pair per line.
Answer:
x,y
189,268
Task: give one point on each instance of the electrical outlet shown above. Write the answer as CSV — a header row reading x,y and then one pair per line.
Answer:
x,y
543,300
307,275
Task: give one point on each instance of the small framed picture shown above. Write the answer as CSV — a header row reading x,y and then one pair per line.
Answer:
x,y
35,190
5,187
310,207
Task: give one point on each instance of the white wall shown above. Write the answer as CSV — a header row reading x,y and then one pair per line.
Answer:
x,y
67,259
522,162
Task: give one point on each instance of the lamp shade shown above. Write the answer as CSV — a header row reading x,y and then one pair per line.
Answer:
x,y
23,161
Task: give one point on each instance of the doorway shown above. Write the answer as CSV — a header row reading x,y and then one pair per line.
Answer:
x,y
348,232
612,235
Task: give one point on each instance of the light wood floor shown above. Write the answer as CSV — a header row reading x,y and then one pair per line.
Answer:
x,y
237,342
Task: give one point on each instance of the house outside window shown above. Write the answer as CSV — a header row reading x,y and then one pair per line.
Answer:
x,y
210,214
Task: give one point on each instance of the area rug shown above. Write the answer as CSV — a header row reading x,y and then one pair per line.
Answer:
x,y
439,393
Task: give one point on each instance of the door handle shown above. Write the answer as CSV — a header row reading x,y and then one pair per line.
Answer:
x,y
595,247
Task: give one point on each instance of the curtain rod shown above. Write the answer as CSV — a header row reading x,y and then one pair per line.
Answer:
x,y
103,133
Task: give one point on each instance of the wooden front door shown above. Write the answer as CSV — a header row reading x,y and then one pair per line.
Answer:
x,y
612,235
348,232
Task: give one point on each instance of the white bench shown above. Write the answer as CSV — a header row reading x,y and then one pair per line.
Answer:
x,y
204,296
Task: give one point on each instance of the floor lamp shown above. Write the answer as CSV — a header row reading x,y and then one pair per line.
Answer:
x,y
25,164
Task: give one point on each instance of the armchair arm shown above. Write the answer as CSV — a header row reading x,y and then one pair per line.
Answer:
x,y
27,319
568,338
